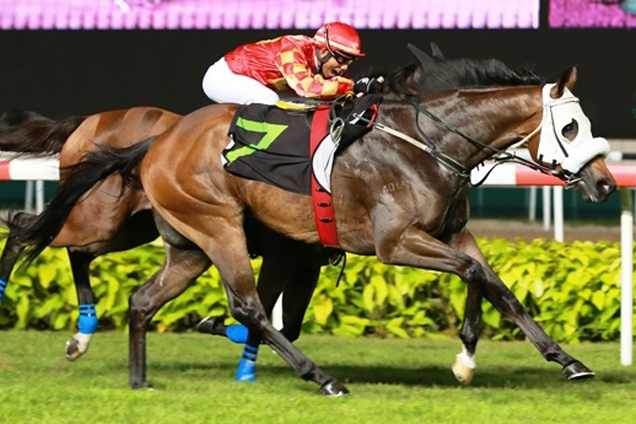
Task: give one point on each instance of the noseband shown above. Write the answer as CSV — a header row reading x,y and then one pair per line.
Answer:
x,y
501,156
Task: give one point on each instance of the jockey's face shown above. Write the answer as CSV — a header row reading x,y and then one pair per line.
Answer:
x,y
335,66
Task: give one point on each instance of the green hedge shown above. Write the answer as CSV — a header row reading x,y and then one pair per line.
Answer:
x,y
571,289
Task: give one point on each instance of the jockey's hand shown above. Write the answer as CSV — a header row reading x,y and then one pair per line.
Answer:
x,y
368,85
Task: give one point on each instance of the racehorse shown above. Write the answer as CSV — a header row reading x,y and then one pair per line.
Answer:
x,y
109,222
422,225
114,217
102,222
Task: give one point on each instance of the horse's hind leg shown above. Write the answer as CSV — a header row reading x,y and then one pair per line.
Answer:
x,y
181,268
296,298
297,282
77,345
223,240
274,276
12,249
134,231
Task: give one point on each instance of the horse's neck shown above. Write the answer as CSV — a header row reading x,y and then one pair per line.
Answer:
x,y
497,117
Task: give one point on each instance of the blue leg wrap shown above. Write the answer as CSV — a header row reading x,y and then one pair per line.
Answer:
x,y
247,367
3,286
87,319
237,333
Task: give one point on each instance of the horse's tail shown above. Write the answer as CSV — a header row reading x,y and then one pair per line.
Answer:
x,y
82,177
28,132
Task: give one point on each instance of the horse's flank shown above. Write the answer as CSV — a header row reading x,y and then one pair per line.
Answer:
x,y
111,203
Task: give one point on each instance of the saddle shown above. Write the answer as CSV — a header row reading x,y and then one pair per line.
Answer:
x,y
271,143
294,147
297,103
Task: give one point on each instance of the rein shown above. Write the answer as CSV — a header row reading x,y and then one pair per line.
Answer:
x,y
501,156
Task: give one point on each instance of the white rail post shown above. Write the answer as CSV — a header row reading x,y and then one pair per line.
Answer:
x,y
532,204
558,213
627,267
39,196
28,197
547,208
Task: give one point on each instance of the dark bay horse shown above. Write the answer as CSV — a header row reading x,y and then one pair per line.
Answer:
x,y
421,225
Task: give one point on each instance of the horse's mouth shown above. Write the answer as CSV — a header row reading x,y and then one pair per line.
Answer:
x,y
595,190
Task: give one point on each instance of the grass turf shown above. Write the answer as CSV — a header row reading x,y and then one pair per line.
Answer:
x,y
392,381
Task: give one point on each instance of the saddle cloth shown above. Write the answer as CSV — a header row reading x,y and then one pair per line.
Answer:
x,y
272,145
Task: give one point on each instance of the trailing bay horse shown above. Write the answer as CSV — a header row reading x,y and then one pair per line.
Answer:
x,y
111,218
114,217
421,225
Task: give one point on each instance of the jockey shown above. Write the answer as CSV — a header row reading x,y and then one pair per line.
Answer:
x,y
311,67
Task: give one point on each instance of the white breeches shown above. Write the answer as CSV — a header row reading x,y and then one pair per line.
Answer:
x,y
224,86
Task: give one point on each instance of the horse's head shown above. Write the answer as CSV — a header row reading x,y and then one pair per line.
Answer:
x,y
566,143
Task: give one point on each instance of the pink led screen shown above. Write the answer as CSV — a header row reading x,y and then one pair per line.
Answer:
x,y
592,13
266,14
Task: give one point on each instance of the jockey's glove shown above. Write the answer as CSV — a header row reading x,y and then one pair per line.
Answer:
x,y
368,85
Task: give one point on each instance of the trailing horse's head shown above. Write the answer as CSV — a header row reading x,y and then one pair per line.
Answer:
x,y
29,132
566,142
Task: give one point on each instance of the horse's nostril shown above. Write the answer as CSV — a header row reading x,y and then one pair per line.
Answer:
x,y
607,186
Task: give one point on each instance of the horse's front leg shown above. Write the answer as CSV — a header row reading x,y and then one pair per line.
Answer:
x,y
413,247
465,362
505,301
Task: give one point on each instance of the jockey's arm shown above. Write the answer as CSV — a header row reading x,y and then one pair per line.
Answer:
x,y
304,82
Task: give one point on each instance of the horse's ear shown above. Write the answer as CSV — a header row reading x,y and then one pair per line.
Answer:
x,y
568,80
424,59
437,53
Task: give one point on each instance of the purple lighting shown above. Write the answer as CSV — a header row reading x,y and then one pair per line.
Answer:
x,y
266,14
589,14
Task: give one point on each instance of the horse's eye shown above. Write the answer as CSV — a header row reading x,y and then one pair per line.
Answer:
x,y
570,130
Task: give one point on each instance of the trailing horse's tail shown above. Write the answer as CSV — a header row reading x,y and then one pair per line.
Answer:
x,y
28,132
82,177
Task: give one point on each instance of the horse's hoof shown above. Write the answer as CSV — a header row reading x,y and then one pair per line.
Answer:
x,y
137,385
578,371
248,378
73,351
212,325
463,372
333,388
77,345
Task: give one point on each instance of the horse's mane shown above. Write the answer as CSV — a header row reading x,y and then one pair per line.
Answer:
x,y
423,79
29,132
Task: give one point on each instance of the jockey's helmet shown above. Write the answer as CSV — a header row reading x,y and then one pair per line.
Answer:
x,y
339,38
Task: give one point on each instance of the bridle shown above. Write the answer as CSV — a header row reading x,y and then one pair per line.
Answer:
x,y
500,156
